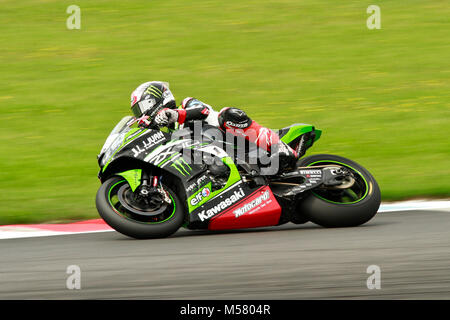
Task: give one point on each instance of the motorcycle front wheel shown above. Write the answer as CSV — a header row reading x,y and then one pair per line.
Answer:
x,y
117,205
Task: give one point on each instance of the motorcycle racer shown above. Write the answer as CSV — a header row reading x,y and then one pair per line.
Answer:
x,y
153,103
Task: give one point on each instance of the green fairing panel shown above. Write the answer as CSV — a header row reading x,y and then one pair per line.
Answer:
x,y
232,179
297,130
133,178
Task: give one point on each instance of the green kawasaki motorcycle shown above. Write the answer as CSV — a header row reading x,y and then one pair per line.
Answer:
x,y
154,182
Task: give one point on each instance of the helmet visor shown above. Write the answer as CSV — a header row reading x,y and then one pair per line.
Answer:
x,y
136,109
147,106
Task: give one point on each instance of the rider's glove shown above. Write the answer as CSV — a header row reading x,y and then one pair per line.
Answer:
x,y
166,116
143,121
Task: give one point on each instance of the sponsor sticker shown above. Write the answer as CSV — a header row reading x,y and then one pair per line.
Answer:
x,y
193,186
148,143
252,204
236,196
204,193
236,125
310,172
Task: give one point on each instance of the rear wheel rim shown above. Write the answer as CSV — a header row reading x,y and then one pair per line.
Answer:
x,y
146,217
354,194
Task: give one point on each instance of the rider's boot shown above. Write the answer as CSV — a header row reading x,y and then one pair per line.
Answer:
x,y
287,157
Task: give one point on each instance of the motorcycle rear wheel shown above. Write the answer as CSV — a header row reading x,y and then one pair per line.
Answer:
x,y
341,207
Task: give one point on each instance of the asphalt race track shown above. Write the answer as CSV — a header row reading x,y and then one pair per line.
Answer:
x,y
412,249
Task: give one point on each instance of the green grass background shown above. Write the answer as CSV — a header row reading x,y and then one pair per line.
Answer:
x,y
381,96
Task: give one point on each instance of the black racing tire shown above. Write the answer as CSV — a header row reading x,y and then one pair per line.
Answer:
x,y
333,214
133,228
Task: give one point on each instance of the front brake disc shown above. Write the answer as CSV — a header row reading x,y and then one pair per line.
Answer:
x,y
127,200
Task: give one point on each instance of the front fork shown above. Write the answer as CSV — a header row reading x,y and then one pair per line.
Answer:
x,y
144,185
153,183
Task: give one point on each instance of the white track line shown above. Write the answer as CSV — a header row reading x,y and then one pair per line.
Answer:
x,y
415,205
24,231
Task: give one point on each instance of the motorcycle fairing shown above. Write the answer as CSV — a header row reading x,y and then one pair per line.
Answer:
x,y
133,178
237,206
291,133
156,148
258,209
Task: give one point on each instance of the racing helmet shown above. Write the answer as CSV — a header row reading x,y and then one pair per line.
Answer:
x,y
150,97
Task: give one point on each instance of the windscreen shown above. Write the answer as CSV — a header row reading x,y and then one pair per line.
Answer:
x,y
120,128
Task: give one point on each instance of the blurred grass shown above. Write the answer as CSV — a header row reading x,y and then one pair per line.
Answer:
x,y
381,96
